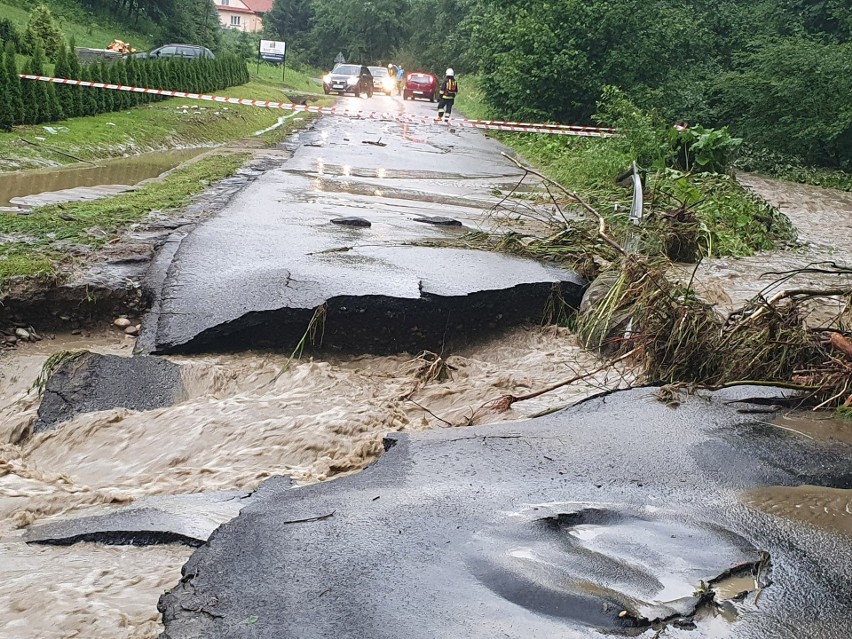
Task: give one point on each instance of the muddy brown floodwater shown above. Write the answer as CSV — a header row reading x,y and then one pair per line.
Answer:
x,y
240,423
128,171
243,420
823,220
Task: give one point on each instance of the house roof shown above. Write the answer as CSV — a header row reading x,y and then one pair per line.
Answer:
x,y
229,9
258,6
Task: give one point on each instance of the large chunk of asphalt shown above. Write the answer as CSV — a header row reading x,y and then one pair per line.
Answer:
x,y
377,300
185,519
253,274
597,520
92,382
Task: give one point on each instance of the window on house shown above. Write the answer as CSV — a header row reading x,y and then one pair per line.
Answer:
x,y
235,21
225,3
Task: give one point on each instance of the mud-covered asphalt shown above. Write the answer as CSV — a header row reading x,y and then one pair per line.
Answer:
x,y
616,517
274,254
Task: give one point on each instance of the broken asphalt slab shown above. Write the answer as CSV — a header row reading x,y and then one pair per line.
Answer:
x,y
377,300
595,520
89,382
253,274
185,519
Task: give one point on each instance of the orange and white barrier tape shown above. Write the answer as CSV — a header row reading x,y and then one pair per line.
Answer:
x,y
492,125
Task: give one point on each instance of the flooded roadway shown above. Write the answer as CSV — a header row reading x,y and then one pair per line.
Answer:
x,y
243,421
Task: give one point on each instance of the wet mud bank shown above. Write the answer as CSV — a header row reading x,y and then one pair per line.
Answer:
x,y
565,525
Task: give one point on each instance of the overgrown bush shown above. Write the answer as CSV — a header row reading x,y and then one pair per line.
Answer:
x,y
653,143
787,167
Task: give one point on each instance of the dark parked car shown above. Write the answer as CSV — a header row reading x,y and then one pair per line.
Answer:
x,y
349,78
180,51
382,81
420,85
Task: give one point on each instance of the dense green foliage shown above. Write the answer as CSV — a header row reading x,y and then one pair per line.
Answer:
x,y
34,102
777,72
43,32
191,21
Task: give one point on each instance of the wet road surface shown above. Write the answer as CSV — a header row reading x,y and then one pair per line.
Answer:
x,y
275,253
617,517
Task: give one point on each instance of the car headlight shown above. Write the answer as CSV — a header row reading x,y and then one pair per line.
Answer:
x,y
326,78
387,83
352,81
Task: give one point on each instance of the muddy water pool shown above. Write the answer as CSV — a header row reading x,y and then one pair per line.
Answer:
x,y
128,171
241,422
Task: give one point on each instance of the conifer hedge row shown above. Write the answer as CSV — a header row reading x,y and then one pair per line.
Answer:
x,y
35,102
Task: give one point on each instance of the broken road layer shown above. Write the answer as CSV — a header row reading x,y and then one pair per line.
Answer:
x,y
597,519
254,272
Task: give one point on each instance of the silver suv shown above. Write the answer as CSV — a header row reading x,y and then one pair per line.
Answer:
x,y
180,51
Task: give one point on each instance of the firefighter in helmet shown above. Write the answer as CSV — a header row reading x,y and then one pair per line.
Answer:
x,y
449,90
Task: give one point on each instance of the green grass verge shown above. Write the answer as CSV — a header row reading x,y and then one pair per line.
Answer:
x,y
732,220
150,127
39,255
88,30
293,79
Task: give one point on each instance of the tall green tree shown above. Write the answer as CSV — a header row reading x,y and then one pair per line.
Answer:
x,y
65,93
7,117
75,73
13,93
792,95
290,21
43,31
366,32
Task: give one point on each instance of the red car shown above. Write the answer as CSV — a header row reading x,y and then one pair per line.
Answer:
x,y
420,85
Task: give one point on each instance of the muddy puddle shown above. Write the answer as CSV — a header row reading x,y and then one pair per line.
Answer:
x,y
242,421
120,171
828,509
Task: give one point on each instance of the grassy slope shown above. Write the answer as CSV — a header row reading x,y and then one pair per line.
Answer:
x,y
154,126
97,33
38,257
734,222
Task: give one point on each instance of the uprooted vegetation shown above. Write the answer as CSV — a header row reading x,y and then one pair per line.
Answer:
x,y
637,310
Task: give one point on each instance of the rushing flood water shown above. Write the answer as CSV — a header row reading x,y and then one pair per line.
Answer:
x,y
241,422
129,171
823,220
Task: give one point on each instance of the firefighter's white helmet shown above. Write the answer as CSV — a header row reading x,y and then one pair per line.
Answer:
x,y
450,72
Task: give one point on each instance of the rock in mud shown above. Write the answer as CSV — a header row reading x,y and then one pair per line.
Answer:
x,y
183,519
437,220
597,521
92,382
122,322
358,222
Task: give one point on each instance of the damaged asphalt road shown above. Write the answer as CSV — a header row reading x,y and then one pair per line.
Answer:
x,y
620,516
254,273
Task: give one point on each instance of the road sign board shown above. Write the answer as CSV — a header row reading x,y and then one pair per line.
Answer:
x,y
273,50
